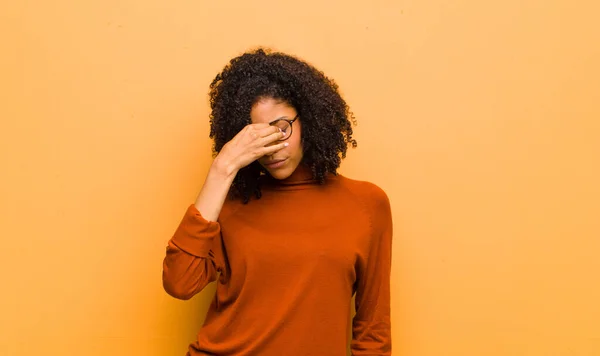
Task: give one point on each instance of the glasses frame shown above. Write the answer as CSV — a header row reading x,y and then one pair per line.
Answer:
x,y
289,121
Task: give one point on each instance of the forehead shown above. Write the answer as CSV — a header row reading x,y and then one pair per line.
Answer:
x,y
269,109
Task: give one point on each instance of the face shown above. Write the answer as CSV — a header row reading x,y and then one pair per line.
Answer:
x,y
286,161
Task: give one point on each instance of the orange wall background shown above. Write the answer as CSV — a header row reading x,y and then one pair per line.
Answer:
x,y
480,119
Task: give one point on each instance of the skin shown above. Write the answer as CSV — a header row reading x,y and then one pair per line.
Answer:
x,y
267,110
257,141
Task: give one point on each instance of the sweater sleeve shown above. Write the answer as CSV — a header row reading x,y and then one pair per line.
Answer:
x,y
193,257
371,327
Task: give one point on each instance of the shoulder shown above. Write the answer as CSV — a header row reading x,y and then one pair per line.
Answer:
x,y
373,201
368,193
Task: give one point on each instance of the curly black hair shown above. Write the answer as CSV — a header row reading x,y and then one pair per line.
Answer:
x,y
262,73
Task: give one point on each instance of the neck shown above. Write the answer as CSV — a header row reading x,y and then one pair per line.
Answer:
x,y
301,176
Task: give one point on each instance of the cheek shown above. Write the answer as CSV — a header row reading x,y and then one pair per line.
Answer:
x,y
296,146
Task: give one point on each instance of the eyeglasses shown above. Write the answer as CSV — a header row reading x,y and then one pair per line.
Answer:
x,y
285,125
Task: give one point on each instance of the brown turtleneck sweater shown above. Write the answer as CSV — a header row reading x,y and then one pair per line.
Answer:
x,y
287,265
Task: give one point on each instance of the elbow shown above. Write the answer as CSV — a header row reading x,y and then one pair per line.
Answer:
x,y
371,337
176,290
183,281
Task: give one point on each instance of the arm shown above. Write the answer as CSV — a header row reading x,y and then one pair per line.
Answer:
x,y
194,256
371,328
195,252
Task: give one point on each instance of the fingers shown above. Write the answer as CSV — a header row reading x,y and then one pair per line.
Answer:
x,y
260,134
269,139
260,130
264,131
269,150
260,140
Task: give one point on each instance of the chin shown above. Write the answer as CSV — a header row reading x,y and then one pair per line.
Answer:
x,y
280,173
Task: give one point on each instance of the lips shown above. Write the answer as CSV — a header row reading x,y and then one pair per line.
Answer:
x,y
275,164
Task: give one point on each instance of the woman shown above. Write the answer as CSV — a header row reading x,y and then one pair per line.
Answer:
x,y
288,239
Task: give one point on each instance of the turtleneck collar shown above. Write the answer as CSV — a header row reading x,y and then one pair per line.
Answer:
x,y
302,176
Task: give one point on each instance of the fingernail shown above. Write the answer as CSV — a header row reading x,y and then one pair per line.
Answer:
x,y
286,144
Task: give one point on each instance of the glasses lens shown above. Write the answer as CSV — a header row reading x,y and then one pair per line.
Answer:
x,y
285,127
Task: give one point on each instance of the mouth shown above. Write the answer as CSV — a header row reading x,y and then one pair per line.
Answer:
x,y
275,164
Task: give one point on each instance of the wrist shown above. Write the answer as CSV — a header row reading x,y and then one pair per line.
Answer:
x,y
223,168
